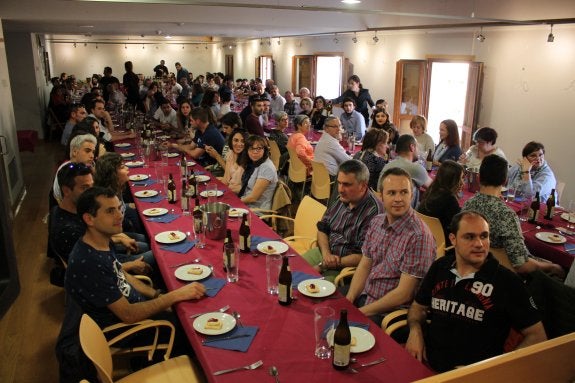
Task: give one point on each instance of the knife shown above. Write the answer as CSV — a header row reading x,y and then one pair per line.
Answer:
x,y
377,361
225,338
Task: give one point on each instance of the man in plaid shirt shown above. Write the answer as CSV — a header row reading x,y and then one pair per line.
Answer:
x,y
397,251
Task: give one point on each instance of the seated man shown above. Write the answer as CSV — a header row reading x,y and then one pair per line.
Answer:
x,y
166,117
532,173
328,149
472,300
291,106
77,114
277,101
406,149
398,249
342,229
353,122
252,121
504,224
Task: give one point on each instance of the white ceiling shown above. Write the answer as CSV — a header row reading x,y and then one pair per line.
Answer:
x,y
242,19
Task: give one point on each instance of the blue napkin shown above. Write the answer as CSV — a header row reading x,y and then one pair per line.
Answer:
x,y
154,199
214,285
147,182
569,247
298,276
166,218
256,240
182,247
238,344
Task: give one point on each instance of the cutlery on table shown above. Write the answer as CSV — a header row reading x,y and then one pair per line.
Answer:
x,y
252,366
225,338
373,363
223,309
237,316
185,263
275,373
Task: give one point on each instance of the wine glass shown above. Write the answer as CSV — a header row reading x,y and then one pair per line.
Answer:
x,y
571,215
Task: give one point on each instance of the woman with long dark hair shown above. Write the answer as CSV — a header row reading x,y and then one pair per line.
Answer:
x,y
318,113
448,147
373,154
359,94
260,175
380,120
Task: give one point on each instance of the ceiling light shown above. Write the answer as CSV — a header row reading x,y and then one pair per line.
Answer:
x,y
74,45
167,36
480,36
269,42
551,37
125,46
279,41
354,38
351,1
335,39
375,38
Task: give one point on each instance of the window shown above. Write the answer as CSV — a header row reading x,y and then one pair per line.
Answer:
x,y
321,74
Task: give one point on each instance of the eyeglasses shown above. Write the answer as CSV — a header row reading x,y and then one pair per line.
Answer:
x,y
256,149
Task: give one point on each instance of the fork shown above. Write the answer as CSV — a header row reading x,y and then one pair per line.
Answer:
x,y
223,309
252,366
354,370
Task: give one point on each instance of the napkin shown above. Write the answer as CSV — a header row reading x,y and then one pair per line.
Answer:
x,y
154,199
213,283
257,239
166,218
238,344
570,247
298,276
182,247
147,182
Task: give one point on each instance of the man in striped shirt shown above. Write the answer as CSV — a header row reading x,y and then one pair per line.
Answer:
x,y
398,249
343,227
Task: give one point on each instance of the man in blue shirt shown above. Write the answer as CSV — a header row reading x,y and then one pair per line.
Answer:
x,y
352,121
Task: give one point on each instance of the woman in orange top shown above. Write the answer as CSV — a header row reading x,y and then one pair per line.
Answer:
x,y
299,142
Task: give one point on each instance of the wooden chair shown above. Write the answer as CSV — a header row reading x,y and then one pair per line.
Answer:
x,y
344,275
502,257
320,182
281,200
308,214
297,172
394,321
275,153
54,124
437,230
96,348
549,361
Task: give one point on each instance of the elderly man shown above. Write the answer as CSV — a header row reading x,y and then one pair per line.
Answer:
x,y
532,173
277,102
342,229
328,149
304,93
77,114
473,302
504,224
291,107
166,117
352,121
398,249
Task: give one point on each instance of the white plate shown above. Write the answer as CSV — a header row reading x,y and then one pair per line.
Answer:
x,y
134,164
182,273
228,323
550,237
326,288
237,212
127,155
138,177
207,193
503,189
163,137
191,163
123,145
169,237
567,217
277,247
155,212
171,155
146,193
202,178
364,340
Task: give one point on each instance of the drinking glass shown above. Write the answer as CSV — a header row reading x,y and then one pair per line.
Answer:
x,y
212,192
323,320
232,262
273,267
510,196
526,199
200,233
571,212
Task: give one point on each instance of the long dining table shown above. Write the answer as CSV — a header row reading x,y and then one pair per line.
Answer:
x,y
285,334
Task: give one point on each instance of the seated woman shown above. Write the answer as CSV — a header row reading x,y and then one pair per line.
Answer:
x,y
319,113
306,106
373,154
418,125
230,121
277,134
448,147
298,141
533,172
260,175
440,198
380,120
233,170
184,118
484,139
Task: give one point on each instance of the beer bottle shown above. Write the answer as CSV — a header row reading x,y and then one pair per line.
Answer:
x,y
185,199
184,167
245,236
284,283
429,161
534,209
198,216
341,343
193,185
172,194
550,205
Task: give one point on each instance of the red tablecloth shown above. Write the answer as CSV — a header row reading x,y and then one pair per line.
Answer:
x,y
285,337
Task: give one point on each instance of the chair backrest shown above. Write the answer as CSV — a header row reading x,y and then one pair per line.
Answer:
x,y
309,213
96,348
320,181
282,196
275,153
437,230
502,257
297,171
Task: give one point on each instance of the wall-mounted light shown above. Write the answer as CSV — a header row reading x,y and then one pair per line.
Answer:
x,y
74,45
354,38
551,37
85,44
125,46
269,42
261,42
143,47
279,41
375,38
480,36
182,46
206,46
96,45
335,39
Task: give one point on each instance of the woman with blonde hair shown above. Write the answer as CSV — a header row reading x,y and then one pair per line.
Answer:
x,y
418,125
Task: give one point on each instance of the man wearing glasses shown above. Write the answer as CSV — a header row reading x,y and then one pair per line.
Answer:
x,y
328,150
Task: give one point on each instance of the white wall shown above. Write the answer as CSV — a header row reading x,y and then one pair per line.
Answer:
x,y
528,92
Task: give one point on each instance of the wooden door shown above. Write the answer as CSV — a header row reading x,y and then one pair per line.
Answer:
x,y
410,92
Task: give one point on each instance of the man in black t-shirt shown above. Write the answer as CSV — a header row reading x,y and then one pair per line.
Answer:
x,y
472,302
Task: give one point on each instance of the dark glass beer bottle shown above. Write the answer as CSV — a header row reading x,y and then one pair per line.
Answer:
x,y
284,283
245,236
534,209
341,343
550,205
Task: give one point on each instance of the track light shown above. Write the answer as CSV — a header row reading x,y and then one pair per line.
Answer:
x,y
74,45
375,38
125,46
279,41
206,46
261,42
551,37
335,39
354,38
480,36
269,42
